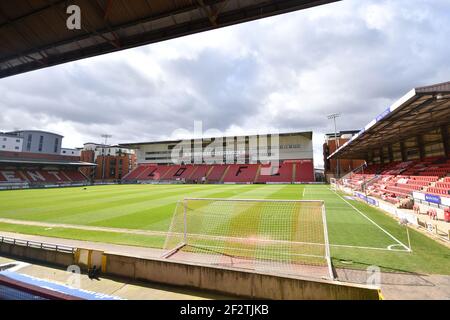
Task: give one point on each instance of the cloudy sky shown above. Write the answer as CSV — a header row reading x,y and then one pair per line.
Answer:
x,y
282,73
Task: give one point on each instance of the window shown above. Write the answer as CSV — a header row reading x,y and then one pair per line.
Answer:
x,y
17,140
29,142
55,149
17,148
4,139
41,142
3,146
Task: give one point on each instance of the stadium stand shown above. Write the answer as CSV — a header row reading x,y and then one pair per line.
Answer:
x,y
304,171
282,173
200,172
407,153
133,175
245,173
25,170
40,177
149,172
180,172
216,173
74,175
397,181
224,173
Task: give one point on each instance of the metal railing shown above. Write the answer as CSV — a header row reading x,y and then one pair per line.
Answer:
x,y
38,245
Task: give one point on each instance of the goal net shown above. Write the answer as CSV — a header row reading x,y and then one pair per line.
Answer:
x,y
277,236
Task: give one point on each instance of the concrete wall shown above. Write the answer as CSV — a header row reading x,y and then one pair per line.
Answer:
x,y
233,282
220,280
37,254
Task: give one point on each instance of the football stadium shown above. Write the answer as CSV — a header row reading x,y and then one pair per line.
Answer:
x,y
220,216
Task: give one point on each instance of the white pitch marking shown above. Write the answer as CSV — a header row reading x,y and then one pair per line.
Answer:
x,y
390,248
357,210
367,248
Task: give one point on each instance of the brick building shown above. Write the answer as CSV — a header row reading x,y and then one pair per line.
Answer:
x,y
330,145
113,162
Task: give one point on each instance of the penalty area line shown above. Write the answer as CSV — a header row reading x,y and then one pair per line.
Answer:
x,y
373,222
389,248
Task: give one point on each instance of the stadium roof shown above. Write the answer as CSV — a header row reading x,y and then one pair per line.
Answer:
x,y
40,131
12,157
341,133
34,35
46,162
134,145
417,112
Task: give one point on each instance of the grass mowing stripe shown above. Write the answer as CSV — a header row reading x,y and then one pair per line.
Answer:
x,y
88,235
357,210
345,226
157,215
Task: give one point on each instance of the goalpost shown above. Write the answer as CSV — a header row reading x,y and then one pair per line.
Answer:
x,y
278,236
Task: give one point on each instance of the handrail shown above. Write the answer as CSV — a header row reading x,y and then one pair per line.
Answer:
x,y
364,165
39,245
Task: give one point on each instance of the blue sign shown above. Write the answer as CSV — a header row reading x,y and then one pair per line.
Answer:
x,y
433,198
60,288
366,199
360,195
383,114
372,201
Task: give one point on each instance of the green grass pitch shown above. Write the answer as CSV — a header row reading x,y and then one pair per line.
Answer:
x,y
150,207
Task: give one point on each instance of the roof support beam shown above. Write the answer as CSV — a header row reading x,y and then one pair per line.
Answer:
x,y
208,11
104,13
32,13
63,46
445,139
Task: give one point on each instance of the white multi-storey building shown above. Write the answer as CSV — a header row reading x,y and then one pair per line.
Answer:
x,y
9,142
232,149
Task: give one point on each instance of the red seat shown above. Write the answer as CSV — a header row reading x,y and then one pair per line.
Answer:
x,y
216,172
241,173
200,171
281,173
304,171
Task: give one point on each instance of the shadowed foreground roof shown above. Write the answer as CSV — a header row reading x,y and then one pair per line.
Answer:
x,y
33,33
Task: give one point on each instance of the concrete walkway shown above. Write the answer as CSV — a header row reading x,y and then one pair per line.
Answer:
x,y
403,286
393,285
114,287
